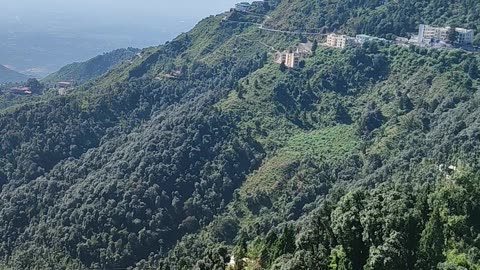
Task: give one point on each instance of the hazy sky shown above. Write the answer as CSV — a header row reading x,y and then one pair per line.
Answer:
x,y
136,12
40,36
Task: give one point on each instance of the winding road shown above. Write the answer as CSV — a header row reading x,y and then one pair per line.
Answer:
x,y
261,26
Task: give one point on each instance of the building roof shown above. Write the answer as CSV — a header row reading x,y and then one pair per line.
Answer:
x,y
458,29
243,4
364,36
20,89
463,30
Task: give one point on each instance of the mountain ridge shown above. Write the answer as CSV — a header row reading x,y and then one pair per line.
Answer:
x,y
81,72
10,76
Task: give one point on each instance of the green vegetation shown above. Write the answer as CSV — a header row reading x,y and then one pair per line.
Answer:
x,y
375,17
203,148
9,98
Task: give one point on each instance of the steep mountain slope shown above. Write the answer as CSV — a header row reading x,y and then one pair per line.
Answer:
x,y
7,75
173,115
366,158
338,187
93,68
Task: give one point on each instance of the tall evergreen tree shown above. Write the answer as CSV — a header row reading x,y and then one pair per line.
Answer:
x,y
432,242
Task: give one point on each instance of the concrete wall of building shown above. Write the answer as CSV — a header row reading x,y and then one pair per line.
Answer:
x,y
426,33
338,41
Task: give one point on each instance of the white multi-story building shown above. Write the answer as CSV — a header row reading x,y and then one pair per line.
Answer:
x,y
339,41
290,59
465,36
427,33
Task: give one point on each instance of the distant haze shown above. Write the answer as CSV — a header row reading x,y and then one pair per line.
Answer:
x,y
39,36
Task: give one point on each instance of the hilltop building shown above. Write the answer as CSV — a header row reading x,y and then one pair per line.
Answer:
x,y
243,6
339,41
427,34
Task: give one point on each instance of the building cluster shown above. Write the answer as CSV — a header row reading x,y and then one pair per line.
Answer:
x,y
344,41
291,59
429,34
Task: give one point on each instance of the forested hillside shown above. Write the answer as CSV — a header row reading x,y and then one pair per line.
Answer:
x,y
205,154
93,68
9,76
375,17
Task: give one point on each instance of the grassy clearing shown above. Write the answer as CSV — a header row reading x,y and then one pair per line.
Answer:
x,y
331,144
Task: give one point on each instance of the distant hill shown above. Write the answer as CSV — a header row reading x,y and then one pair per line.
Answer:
x,y
8,75
93,68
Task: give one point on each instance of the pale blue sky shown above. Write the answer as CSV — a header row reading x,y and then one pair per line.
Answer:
x,y
111,11
40,36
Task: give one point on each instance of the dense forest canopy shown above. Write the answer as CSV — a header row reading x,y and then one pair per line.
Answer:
x,y
205,154
385,18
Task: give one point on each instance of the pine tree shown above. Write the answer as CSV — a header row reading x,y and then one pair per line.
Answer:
x,y
240,252
473,70
432,242
314,46
285,244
